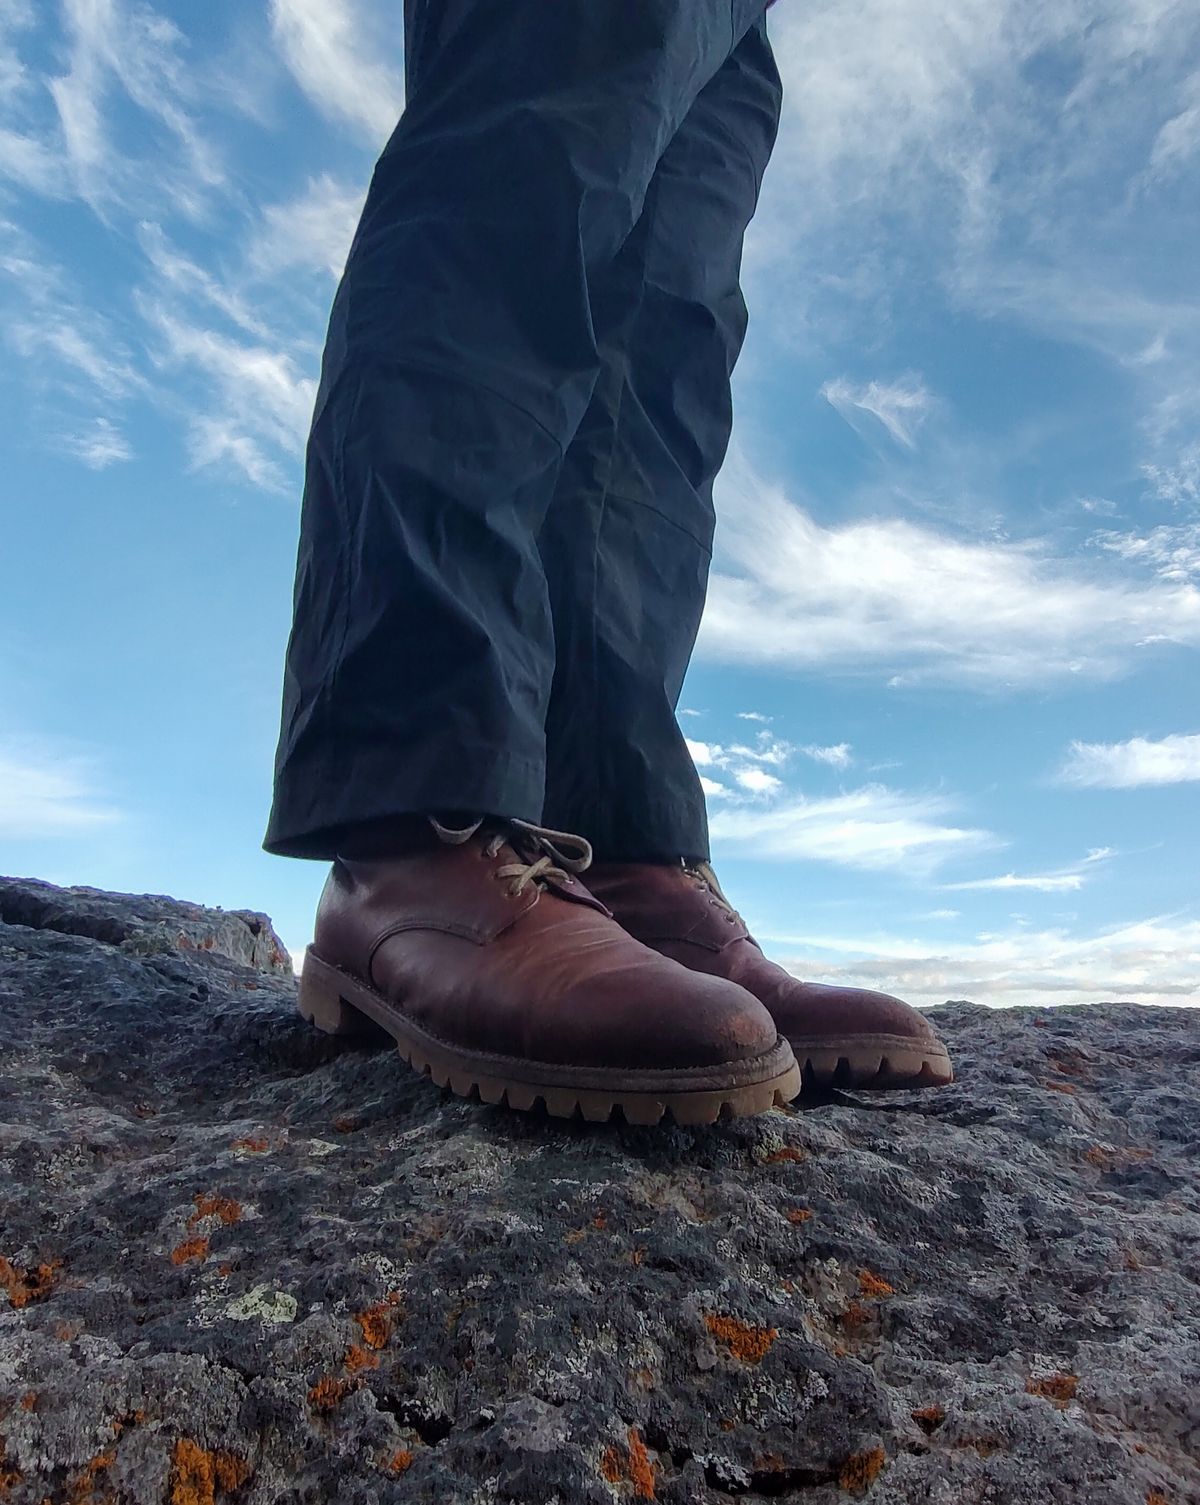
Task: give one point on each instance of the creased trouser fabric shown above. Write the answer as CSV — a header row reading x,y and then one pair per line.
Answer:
x,y
524,399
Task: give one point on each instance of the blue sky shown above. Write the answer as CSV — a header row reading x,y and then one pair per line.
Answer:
x,y
945,695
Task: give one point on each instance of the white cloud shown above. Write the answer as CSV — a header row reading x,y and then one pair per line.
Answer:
x,y
45,792
338,64
873,828
713,788
1155,961
1178,140
983,150
753,716
758,781
837,756
1133,764
80,341
123,44
900,597
30,162
901,407
257,396
1045,883
1171,550
99,446
216,441
185,276
312,231
1178,481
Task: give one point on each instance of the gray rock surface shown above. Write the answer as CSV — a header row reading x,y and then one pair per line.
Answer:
x,y
242,1262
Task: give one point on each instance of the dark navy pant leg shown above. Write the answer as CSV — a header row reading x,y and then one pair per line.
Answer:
x,y
460,361
627,540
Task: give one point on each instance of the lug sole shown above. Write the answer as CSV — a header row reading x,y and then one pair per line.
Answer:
x,y
873,1062
341,1004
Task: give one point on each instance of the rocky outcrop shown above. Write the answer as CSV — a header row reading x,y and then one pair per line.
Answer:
x,y
241,1262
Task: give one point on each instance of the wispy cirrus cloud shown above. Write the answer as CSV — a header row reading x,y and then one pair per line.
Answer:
x,y
126,47
900,406
984,151
1063,880
1171,550
1137,763
46,791
311,231
99,445
873,829
893,596
837,756
1152,961
258,401
340,63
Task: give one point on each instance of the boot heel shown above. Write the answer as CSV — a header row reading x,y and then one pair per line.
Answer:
x,y
322,1005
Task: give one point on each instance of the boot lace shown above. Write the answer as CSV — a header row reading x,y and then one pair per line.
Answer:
x,y
551,856
706,879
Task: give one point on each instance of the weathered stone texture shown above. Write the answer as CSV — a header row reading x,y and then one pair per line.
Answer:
x,y
241,1262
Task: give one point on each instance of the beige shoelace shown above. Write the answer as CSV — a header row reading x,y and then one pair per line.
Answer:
x,y
706,879
550,864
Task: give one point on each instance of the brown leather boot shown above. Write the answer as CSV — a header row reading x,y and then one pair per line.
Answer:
x,y
496,971
846,1036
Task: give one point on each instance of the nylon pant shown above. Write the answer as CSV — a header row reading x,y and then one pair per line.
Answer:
x,y
524,400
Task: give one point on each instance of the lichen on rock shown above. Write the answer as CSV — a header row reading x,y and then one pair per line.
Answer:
x,y
243,1263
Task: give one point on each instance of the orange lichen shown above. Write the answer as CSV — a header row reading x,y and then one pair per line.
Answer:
x,y
85,1483
1061,1087
1107,1159
1059,1388
1155,1497
799,1214
861,1470
210,1205
637,1255
855,1316
874,1286
400,1462
634,1468
24,1286
788,1152
743,1340
359,1358
345,1123
328,1393
575,1236
929,1418
378,1321
257,1144
197,1474
190,1249
28,1400
10,1474
984,1446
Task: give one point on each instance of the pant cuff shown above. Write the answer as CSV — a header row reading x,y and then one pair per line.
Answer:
x,y
315,800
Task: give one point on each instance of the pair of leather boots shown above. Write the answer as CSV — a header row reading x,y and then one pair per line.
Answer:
x,y
498,972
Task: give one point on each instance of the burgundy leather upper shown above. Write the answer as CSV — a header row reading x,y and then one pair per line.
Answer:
x,y
674,909
545,974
